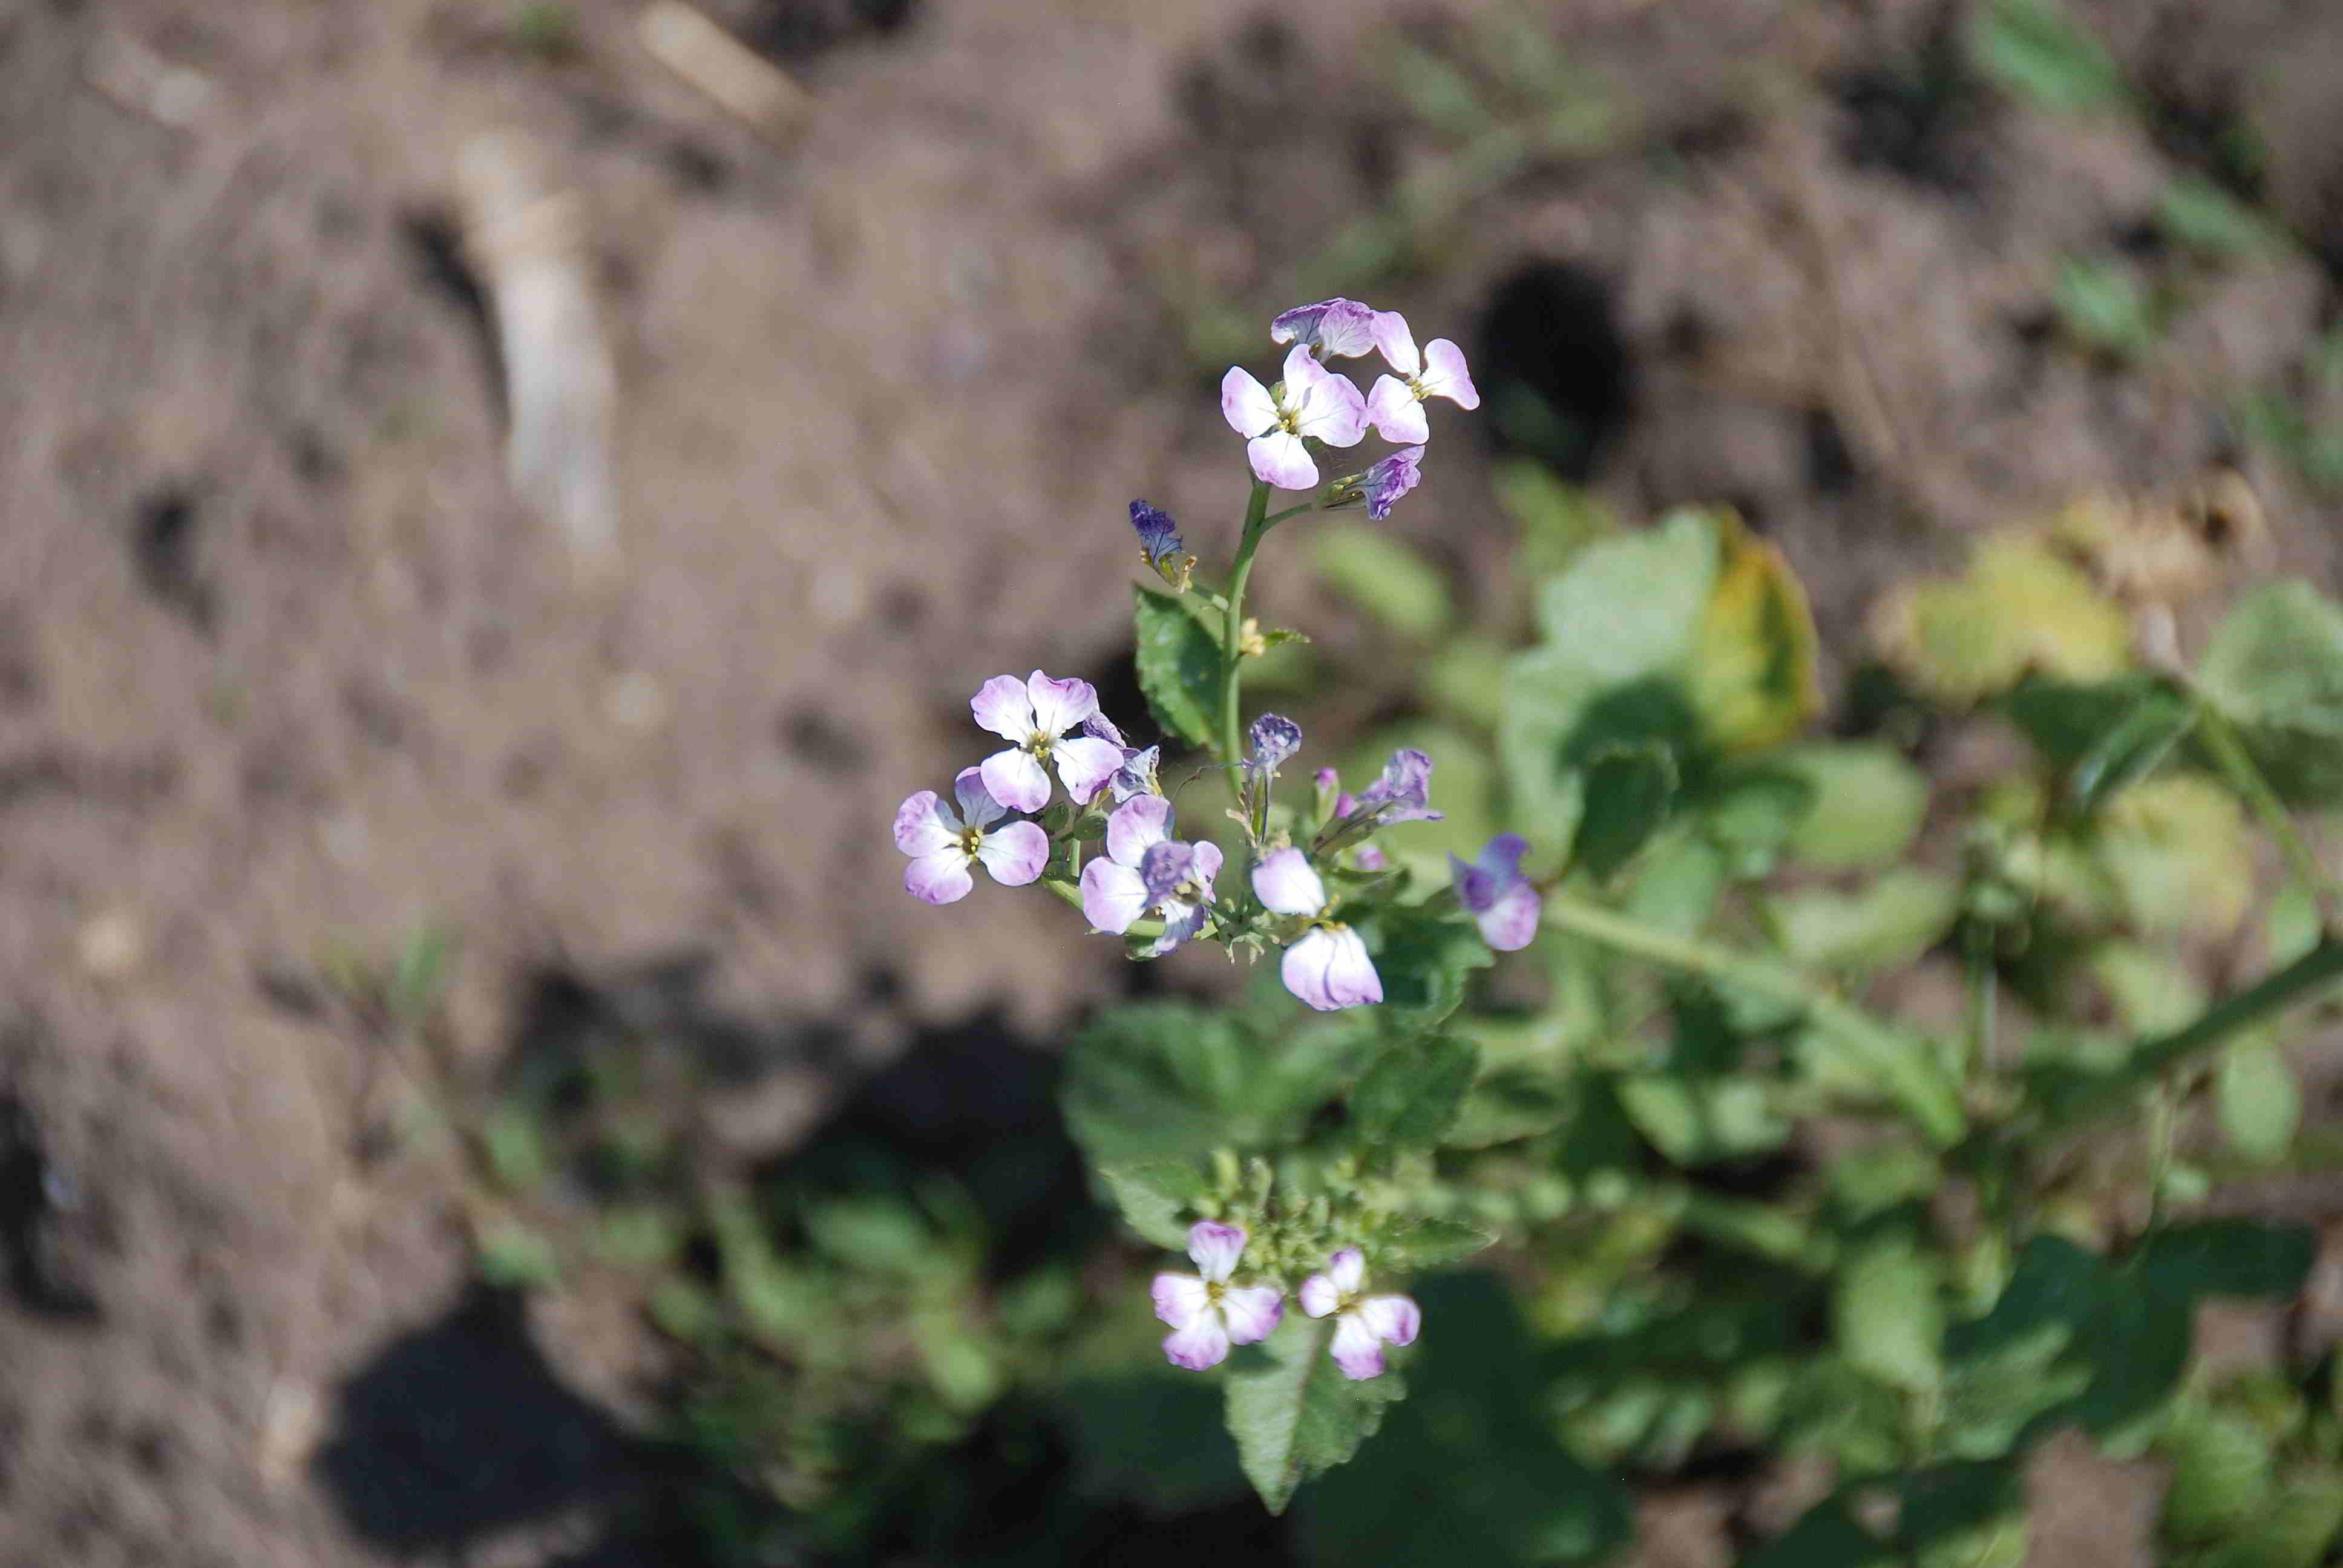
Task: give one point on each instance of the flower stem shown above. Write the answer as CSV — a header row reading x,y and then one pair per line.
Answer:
x,y
1232,628
1901,1065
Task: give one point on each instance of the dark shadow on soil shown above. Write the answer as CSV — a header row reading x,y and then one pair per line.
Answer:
x,y
35,1196
1554,368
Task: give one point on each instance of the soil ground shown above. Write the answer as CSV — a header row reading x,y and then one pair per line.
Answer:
x,y
288,675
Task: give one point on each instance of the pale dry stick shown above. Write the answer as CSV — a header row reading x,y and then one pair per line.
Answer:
x,y
735,75
529,240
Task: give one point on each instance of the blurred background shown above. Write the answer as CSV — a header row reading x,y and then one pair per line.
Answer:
x,y
499,501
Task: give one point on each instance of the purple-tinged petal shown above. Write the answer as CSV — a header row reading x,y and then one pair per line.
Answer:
x,y
1085,765
1327,780
1216,1248
1332,410
1320,1295
977,803
1181,922
1002,706
1339,328
1348,1270
924,824
1357,1350
1060,705
1112,895
1178,1297
939,879
1394,1319
1137,775
1403,793
1371,858
1252,1313
1284,883
1246,403
1329,970
1159,536
1444,375
1164,867
1099,726
1396,343
1511,923
1208,865
1135,826
1279,458
1274,739
1203,1342
1346,804
1395,414
1015,853
1392,476
1015,781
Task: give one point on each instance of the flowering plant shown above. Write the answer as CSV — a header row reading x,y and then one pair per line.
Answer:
x,y
1678,913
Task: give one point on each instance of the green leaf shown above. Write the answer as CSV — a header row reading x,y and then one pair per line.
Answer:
x,y
2223,1472
1628,794
2104,307
1179,668
1827,1532
1156,1199
2229,1258
2298,1530
1293,1413
1867,805
1753,678
2275,669
1885,923
2031,48
2260,1103
1436,1243
1150,1438
1887,1306
1411,1096
1390,580
1423,961
2202,215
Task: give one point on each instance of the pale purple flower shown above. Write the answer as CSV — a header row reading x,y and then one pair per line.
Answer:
x,y
1338,328
1328,966
1389,477
1363,1324
1137,775
1274,739
1395,405
1311,402
1159,544
1208,1314
1403,794
1145,869
943,844
1369,858
1033,715
1499,897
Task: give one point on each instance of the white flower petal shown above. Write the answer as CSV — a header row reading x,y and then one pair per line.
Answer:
x,y
1279,458
1178,1297
1395,414
1085,765
1285,884
1203,1342
1136,826
1112,895
1015,853
1002,706
977,801
1444,375
1394,1320
1348,1270
1319,1295
940,879
1252,1313
1216,1248
1396,343
924,824
1246,403
1351,978
1015,781
1060,705
1355,1349
1333,411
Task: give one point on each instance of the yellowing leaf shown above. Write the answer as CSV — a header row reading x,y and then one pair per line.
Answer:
x,y
1753,674
2020,610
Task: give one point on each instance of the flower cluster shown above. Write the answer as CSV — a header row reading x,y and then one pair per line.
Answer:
x,y
1208,1312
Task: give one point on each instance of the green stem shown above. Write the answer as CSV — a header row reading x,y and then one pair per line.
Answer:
x,y
2238,766
2313,970
1901,1065
1232,628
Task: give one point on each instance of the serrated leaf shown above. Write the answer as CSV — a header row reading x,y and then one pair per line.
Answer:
x,y
2273,667
1628,793
1179,668
2259,1102
1411,1096
1293,1413
1436,1243
1390,580
1887,1304
1752,679
1156,1198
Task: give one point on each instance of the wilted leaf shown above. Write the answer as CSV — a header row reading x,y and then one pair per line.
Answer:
x,y
1179,668
2020,610
1753,677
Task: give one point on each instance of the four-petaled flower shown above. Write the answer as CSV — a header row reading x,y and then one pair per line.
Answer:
x,y
1496,894
1209,1314
1403,794
1395,405
1033,715
1145,869
1311,402
1159,544
1363,1324
1338,328
1328,968
943,844
1389,477
1137,774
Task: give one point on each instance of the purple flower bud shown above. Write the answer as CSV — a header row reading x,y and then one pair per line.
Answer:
x,y
1369,858
1274,739
1338,328
1160,544
1493,889
1389,478
1404,791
